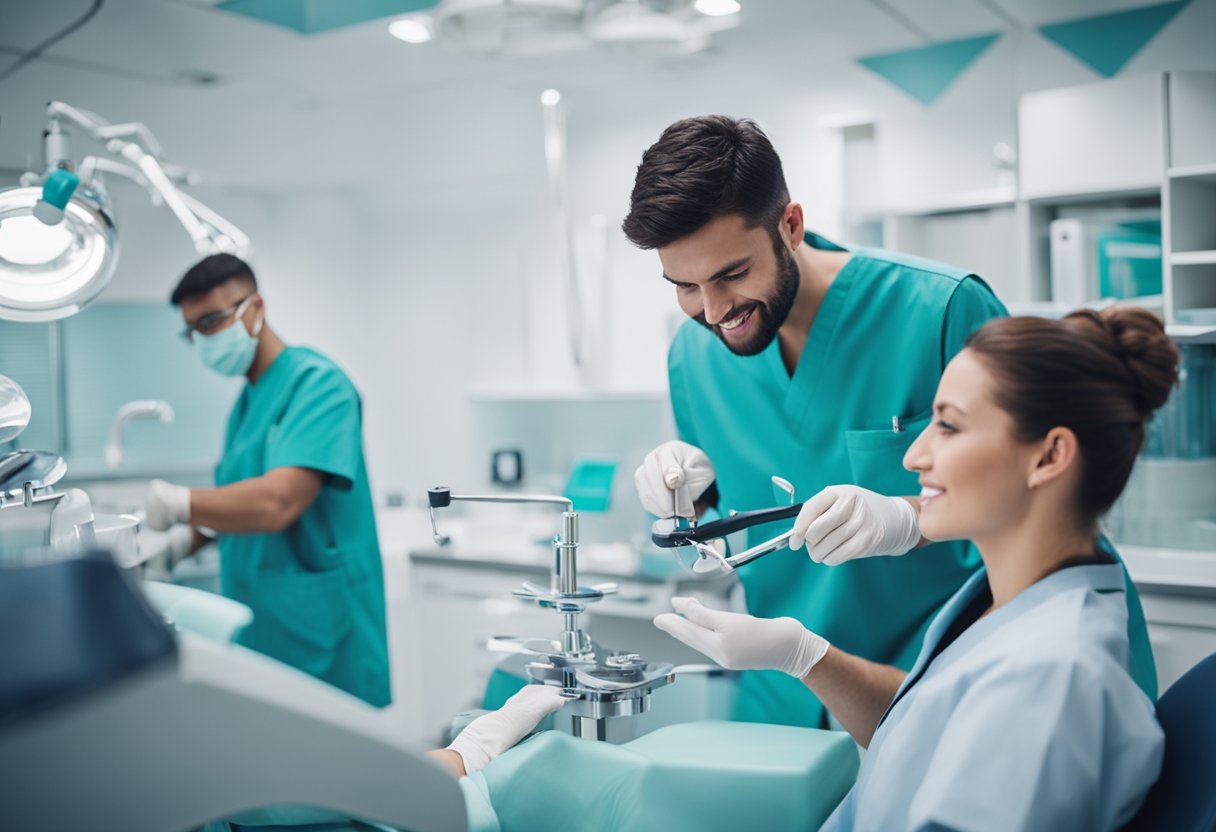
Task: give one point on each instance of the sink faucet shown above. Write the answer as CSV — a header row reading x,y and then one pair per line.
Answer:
x,y
162,410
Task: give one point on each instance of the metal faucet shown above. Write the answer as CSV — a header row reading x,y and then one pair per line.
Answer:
x,y
599,685
162,410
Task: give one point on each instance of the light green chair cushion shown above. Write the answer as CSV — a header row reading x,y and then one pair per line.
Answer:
x,y
695,776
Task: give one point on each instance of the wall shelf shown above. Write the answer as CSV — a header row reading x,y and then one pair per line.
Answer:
x,y
1201,172
1193,258
1192,333
1126,191
978,200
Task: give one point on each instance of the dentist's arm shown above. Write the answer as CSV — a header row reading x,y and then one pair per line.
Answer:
x,y
260,505
856,691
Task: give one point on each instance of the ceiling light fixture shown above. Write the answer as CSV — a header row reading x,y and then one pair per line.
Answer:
x,y
412,29
717,8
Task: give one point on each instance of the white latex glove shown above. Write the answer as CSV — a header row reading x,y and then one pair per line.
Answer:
x,y
489,735
166,504
666,469
843,522
744,642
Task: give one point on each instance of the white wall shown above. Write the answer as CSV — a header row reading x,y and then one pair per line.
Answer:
x,y
427,275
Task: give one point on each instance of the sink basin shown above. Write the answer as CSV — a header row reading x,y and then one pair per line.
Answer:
x,y
118,533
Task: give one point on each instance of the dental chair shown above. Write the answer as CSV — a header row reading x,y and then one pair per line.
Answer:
x,y
1184,796
111,720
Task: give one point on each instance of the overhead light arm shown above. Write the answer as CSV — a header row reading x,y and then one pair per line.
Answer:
x,y
58,238
135,144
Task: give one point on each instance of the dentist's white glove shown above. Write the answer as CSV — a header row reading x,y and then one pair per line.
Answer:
x,y
666,469
489,735
744,642
166,504
843,522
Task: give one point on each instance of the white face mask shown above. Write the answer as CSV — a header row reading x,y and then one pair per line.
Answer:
x,y
230,352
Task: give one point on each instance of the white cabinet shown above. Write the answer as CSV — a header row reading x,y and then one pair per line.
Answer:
x,y
1182,629
454,610
1192,107
1096,138
1124,150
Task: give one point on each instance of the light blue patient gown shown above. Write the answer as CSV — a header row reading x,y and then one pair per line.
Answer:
x,y
888,325
316,588
1028,720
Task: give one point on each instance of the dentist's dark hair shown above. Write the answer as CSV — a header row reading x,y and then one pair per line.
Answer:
x,y
1101,374
702,168
208,273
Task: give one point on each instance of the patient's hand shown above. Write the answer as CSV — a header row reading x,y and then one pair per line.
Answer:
x,y
489,735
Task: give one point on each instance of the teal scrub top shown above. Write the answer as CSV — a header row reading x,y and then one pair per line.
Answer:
x,y
888,325
316,588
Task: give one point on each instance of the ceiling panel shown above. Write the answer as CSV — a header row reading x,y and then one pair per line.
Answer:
x,y
950,19
1040,12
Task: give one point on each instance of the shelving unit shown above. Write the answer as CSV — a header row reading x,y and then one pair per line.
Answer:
x,y
1132,148
1135,145
1190,199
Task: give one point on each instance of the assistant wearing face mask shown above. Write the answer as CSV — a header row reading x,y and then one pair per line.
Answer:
x,y
230,352
291,506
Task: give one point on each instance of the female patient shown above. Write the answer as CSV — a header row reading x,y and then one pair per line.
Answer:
x,y
1019,712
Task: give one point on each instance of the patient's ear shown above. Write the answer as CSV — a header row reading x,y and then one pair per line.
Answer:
x,y
1057,454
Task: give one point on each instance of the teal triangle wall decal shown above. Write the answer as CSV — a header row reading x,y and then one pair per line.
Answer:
x,y
926,72
1105,43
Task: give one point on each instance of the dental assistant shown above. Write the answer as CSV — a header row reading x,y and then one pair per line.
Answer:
x,y
292,509
1020,712
810,361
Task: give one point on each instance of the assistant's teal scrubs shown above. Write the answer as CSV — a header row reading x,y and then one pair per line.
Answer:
x,y
316,588
888,325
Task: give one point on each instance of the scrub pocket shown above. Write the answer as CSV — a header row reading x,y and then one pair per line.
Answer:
x,y
304,616
876,457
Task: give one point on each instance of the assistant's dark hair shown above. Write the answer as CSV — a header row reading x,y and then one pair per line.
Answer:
x,y
1100,374
702,168
208,273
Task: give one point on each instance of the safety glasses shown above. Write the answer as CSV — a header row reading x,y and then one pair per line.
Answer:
x,y
213,322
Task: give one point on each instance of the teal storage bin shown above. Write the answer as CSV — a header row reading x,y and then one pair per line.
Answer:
x,y
590,484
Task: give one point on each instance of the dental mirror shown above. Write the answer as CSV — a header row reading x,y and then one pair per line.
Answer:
x,y
15,410
711,559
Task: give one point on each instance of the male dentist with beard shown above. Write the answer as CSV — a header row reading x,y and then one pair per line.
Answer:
x,y
806,360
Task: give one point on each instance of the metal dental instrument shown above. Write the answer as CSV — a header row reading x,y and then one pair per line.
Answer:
x,y
599,684
667,533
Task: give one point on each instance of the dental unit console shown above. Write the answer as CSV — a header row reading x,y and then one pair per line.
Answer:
x,y
600,685
34,512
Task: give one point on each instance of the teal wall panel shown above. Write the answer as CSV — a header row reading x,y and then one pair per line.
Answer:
x,y
114,353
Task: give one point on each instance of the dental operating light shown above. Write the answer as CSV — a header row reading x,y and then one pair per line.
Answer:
x,y
58,237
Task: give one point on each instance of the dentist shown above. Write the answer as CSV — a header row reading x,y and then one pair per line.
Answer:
x,y
291,508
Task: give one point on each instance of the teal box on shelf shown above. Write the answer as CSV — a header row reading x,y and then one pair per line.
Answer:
x,y
1129,260
590,484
